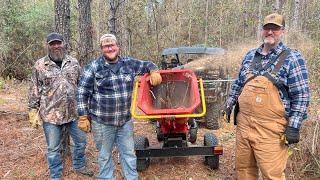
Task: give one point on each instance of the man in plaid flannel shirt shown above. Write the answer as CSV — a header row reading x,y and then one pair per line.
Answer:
x,y
270,114
104,100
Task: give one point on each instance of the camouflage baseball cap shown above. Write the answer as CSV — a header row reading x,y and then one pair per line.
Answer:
x,y
106,38
54,37
274,18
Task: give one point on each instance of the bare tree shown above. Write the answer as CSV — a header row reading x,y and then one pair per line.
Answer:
x,y
62,23
112,16
295,24
114,7
190,22
245,17
62,20
220,24
278,5
259,21
206,23
101,8
154,10
85,50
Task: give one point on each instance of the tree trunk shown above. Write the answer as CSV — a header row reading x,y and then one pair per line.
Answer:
x,y
62,20
124,29
102,18
191,12
156,26
259,21
62,26
295,24
220,24
129,41
278,6
85,49
112,16
206,24
245,18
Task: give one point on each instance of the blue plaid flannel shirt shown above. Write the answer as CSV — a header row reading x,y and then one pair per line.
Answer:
x,y
293,74
104,93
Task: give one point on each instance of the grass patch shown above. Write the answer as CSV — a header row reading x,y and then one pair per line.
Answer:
x,y
2,101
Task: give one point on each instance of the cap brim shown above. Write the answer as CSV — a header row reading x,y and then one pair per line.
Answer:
x,y
54,40
280,25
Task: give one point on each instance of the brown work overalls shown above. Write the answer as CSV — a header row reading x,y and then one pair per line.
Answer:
x,y
261,125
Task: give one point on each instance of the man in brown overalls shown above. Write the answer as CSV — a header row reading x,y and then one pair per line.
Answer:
x,y
271,95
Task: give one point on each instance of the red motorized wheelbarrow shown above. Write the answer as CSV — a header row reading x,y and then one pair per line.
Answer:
x,y
173,104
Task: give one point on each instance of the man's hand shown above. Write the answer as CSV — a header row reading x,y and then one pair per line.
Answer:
x,y
226,112
155,78
84,123
292,135
34,118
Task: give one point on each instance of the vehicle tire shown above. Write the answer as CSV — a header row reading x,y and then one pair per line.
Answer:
x,y
141,142
212,118
212,161
193,131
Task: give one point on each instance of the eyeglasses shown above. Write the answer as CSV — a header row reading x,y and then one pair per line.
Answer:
x,y
272,28
108,46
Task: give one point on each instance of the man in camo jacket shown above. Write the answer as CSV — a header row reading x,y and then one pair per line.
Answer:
x,y
52,98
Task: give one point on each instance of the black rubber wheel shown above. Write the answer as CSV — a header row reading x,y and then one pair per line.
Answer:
x,y
193,131
141,142
212,117
212,161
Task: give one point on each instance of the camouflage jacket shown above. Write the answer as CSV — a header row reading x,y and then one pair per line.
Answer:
x,y
53,89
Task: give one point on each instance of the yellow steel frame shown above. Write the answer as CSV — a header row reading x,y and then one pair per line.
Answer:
x,y
138,117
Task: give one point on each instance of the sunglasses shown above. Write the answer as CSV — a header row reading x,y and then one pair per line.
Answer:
x,y
272,28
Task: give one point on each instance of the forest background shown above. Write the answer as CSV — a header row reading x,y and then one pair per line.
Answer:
x,y
145,27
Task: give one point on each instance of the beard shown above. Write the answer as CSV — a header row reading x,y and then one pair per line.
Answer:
x,y
111,57
56,54
268,42
272,40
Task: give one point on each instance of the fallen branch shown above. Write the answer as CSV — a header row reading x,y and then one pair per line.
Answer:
x,y
7,173
18,115
315,138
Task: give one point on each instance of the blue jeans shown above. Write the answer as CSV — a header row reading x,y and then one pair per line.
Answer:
x,y
105,136
53,135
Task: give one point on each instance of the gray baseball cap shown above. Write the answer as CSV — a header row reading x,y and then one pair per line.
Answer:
x,y
54,37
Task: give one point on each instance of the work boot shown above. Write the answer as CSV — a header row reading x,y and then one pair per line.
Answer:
x,y
85,171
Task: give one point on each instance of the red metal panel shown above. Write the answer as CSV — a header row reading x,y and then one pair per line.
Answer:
x,y
177,94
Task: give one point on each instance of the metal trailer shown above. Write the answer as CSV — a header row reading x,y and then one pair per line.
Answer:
x,y
173,104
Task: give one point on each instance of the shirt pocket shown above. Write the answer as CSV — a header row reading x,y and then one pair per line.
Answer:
x,y
126,75
48,83
259,95
72,74
48,79
104,81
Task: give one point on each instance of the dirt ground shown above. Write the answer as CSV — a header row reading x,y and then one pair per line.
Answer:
x,y
23,149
